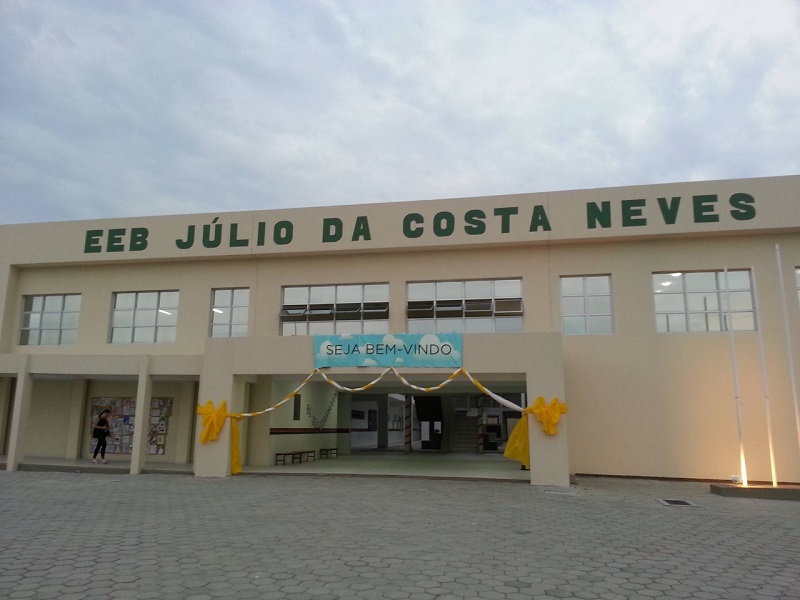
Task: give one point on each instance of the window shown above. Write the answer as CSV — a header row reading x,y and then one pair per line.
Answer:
x,y
339,309
586,305
50,320
699,301
229,311
482,306
144,317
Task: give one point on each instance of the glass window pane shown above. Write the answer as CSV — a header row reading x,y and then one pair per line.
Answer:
x,y
344,327
449,326
240,315
573,305
166,334
704,322
737,280
598,284
31,321
598,305
420,325
145,318
69,336
321,328
29,338
147,300
51,320
479,325
508,288
53,303
169,318
123,318
125,300
376,326
144,334
676,322
238,330
49,337
743,321
168,300
478,289
421,291
572,286
32,303
376,292
508,324
241,297
223,316
69,320
702,301
449,290
666,282
72,302
508,306
322,294
121,335
574,325
701,282
599,324
739,300
669,303
349,293
219,331
295,295
222,297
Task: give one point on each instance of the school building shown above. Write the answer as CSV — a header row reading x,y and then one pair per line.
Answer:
x,y
664,316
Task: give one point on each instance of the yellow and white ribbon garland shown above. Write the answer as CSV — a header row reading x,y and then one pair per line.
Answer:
x,y
548,415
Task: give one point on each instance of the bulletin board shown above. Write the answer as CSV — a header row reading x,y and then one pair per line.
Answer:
x,y
123,411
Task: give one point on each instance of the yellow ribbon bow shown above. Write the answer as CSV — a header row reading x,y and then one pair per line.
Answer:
x,y
548,415
213,420
518,445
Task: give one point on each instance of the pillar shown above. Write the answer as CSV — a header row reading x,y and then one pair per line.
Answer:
x,y
343,417
549,456
19,414
141,423
77,426
184,416
383,421
407,424
5,407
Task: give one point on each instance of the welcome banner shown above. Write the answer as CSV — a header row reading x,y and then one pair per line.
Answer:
x,y
389,350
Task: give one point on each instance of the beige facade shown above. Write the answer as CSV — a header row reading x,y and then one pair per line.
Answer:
x,y
642,402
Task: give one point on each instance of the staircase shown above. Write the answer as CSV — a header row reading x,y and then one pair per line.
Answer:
x,y
464,436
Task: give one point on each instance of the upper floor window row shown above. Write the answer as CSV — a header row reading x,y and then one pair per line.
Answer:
x,y
479,306
50,320
704,301
335,309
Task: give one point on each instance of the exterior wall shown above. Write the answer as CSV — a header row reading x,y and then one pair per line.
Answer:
x,y
641,403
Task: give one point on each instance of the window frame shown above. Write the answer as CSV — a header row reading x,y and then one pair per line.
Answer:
x,y
347,308
227,322
161,318
586,314
63,333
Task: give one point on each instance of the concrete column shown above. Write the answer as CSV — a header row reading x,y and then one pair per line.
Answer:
x,y
549,456
343,409
213,459
141,423
77,429
408,445
19,414
383,421
481,424
184,416
5,407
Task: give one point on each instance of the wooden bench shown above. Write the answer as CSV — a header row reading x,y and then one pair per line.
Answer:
x,y
297,456
328,452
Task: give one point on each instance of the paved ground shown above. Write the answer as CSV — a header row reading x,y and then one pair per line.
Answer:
x,y
92,536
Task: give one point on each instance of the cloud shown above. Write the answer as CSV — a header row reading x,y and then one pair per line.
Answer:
x,y
123,109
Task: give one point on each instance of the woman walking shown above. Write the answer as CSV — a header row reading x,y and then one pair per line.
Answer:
x,y
101,432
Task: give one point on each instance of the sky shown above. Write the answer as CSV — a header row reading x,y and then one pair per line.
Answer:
x,y
140,108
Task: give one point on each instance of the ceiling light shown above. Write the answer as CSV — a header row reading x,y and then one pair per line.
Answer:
x,y
163,312
666,283
217,310
677,274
